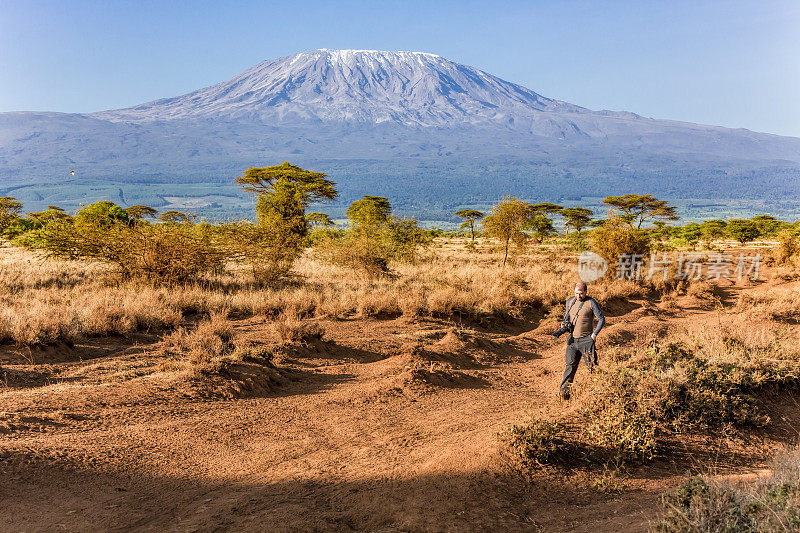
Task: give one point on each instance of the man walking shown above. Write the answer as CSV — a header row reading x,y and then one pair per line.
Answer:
x,y
579,317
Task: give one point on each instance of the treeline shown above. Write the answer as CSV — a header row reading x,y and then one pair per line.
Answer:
x,y
174,247
515,222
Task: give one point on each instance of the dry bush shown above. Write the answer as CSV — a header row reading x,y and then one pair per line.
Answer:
x,y
290,328
269,250
617,289
216,364
617,238
701,290
695,380
539,443
363,252
788,245
770,503
47,302
53,301
209,340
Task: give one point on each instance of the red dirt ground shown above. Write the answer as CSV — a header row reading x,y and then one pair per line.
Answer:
x,y
385,425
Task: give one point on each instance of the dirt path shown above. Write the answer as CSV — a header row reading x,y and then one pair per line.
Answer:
x,y
388,425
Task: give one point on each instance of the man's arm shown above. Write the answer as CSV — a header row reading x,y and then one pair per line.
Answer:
x,y
598,314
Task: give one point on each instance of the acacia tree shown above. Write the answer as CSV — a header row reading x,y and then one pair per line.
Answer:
x,y
576,217
318,220
540,221
103,232
364,248
10,208
540,225
369,213
742,230
636,208
691,233
50,214
546,208
138,212
375,237
712,229
506,222
469,216
173,217
102,214
283,193
767,225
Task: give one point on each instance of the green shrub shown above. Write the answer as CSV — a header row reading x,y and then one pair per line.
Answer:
x,y
269,250
403,238
374,238
159,252
742,230
617,421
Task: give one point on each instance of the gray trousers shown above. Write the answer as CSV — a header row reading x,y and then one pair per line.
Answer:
x,y
582,347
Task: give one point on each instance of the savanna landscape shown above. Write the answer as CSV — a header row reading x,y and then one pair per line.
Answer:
x,y
162,372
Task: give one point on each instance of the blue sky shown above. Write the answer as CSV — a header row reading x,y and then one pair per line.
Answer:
x,y
729,63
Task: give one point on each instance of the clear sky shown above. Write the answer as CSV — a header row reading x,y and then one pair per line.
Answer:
x,y
729,63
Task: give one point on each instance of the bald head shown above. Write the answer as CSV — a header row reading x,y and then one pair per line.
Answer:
x,y
580,290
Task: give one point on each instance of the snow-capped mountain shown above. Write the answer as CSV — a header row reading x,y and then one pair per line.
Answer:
x,y
409,125
410,88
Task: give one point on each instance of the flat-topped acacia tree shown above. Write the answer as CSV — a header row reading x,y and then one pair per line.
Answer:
x,y
319,220
742,230
138,212
367,214
636,208
10,208
576,217
284,192
469,216
712,230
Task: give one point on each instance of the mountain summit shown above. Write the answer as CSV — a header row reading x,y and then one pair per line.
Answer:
x,y
411,88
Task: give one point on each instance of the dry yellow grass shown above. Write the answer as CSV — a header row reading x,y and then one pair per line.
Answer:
x,y
775,303
47,301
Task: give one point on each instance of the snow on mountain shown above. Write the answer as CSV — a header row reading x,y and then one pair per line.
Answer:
x,y
411,88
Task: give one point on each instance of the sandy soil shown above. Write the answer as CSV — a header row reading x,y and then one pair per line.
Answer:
x,y
358,435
